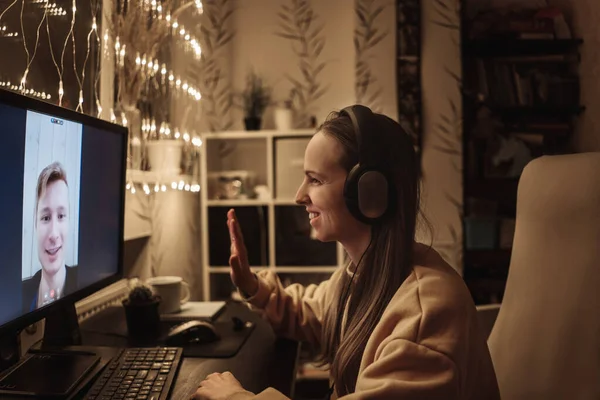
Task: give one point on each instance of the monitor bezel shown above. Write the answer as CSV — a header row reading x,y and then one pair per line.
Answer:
x,y
21,101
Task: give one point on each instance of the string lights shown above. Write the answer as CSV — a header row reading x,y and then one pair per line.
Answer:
x,y
154,72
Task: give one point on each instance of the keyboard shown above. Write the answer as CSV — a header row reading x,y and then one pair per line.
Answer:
x,y
138,374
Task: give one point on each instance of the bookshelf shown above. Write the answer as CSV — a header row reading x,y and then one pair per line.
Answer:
x,y
234,167
520,98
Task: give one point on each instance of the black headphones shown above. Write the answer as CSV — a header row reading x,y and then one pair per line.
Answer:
x,y
369,193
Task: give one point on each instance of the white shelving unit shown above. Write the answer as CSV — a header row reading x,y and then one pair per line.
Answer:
x,y
259,152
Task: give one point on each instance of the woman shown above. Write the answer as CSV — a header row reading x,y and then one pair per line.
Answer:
x,y
55,279
408,326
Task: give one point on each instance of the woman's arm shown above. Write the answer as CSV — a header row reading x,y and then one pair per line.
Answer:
x,y
296,311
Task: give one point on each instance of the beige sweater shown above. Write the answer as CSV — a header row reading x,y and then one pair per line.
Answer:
x,y
427,344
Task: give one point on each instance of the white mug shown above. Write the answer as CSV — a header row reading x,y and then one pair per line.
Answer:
x,y
173,290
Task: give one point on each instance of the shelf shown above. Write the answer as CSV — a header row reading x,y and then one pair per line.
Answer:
x,y
286,202
502,190
287,270
536,111
519,47
138,176
488,258
251,202
137,235
237,203
306,269
258,134
225,270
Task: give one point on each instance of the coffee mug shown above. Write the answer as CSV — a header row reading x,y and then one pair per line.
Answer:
x,y
173,290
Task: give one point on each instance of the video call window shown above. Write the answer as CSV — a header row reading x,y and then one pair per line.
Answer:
x,y
51,192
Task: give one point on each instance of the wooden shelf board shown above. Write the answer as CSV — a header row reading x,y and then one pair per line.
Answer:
x,y
237,203
138,235
515,47
152,177
309,269
487,257
261,134
543,110
503,190
226,269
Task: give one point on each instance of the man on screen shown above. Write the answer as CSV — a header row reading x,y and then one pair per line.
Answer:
x,y
52,209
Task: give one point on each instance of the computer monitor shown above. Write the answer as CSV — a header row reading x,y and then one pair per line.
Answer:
x,y
63,197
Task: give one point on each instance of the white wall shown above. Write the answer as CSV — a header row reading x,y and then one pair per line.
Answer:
x,y
381,59
256,46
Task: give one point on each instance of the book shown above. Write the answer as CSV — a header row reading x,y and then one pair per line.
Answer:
x,y
203,310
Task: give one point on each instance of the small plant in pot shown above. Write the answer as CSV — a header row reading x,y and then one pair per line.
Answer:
x,y
142,315
256,97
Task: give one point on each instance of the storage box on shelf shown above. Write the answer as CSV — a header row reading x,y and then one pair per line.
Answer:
x,y
257,173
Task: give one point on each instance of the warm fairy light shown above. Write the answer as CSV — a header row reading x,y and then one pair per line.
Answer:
x,y
31,92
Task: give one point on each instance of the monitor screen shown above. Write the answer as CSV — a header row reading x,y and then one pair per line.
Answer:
x,y
62,198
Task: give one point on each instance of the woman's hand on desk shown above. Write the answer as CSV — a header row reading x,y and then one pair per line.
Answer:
x,y
218,386
241,275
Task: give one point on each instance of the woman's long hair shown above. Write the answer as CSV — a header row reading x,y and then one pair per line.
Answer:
x,y
388,259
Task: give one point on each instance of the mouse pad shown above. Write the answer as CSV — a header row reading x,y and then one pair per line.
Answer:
x,y
230,343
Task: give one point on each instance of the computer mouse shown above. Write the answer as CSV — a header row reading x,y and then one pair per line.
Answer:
x,y
191,332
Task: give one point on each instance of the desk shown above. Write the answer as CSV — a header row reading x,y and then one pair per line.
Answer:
x,y
263,361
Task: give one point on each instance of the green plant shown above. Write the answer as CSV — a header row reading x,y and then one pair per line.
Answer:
x,y
141,295
256,97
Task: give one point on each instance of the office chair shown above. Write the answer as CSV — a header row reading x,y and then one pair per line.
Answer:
x,y
545,342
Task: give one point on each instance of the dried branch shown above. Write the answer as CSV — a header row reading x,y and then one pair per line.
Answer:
x,y
366,37
215,87
299,23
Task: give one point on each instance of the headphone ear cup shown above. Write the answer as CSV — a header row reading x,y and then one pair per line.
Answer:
x,y
373,192
351,192
366,193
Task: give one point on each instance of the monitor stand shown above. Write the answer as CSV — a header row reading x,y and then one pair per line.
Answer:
x,y
61,328
10,349
77,367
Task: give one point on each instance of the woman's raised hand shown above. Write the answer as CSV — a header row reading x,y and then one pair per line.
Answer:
x,y
241,275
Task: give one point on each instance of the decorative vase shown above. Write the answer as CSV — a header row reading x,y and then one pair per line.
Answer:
x,y
143,321
165,156
252,123
283,119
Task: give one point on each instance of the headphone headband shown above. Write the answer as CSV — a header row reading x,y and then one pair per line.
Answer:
x,y
368,191
363,120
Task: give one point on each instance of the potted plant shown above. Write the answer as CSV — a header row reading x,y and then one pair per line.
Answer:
x,y
255,99
141,314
